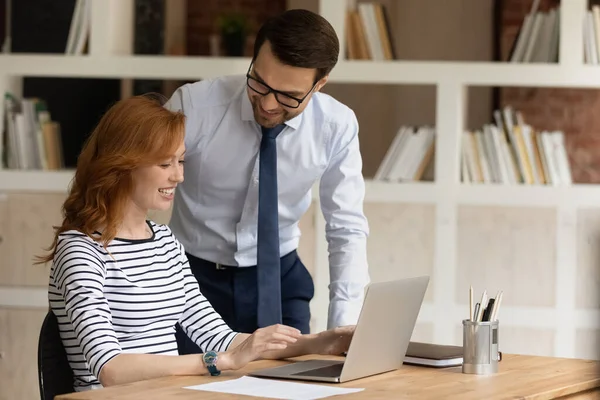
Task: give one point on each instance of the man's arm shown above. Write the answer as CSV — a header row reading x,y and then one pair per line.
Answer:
x,y
342,191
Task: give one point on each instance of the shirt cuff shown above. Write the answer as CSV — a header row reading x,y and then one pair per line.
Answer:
x,y
343,312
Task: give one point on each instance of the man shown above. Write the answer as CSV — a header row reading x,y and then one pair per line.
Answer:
x,y
255,145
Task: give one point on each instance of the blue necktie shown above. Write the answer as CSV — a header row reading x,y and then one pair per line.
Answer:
x,y
268,259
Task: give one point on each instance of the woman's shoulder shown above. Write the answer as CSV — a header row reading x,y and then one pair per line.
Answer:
x,y
75,250
162,232
75,241
73,237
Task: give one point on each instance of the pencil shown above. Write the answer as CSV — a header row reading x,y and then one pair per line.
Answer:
x,y
471,317
482,305
497,305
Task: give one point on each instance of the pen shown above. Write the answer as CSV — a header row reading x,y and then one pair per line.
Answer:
x,y
487,314
497,305
476,312
482,305
495,308
471,317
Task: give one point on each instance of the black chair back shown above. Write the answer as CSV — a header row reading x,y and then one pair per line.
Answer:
x,y
54,372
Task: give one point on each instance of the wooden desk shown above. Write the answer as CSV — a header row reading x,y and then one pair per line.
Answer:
x,y
519,377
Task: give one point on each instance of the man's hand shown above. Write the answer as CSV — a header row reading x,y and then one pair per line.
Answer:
x,y
333,341
274,337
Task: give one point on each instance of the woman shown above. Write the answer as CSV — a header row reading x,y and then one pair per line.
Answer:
x,y
120,283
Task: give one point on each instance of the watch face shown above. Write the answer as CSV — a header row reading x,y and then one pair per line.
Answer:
x,y
210,357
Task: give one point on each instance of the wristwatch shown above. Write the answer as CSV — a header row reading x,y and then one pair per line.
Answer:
x,y
210,360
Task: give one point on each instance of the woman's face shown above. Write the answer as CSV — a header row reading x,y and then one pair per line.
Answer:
x,y
154,186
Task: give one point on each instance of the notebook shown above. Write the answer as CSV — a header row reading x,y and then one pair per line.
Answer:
x,y
433,355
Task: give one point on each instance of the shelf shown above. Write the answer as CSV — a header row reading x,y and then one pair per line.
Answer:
x,y
356,71
577,195
58,181
138,66
467,73
35,181
408,192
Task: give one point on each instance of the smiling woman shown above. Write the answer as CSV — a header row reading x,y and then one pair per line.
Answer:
x,y
119,283
154,185
133,153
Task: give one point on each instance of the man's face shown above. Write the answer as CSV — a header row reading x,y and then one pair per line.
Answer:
x,y
267,71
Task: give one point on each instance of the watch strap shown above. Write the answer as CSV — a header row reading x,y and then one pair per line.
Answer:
x,y
213,370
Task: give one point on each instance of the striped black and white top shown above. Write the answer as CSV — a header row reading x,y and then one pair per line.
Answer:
x,y
127,303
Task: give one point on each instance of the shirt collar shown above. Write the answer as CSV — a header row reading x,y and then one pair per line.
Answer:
x,y
248,113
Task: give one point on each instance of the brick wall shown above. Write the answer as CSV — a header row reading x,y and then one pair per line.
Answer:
x,y
574,111
202,15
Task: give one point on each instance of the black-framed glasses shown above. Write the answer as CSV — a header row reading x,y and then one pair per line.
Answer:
x,y
282,98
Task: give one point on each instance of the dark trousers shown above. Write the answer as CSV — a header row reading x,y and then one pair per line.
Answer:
x,y
232,291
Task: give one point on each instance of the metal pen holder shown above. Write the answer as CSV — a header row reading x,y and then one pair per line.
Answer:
x,y
480,347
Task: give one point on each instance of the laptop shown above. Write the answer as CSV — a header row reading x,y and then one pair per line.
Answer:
x,y
381,337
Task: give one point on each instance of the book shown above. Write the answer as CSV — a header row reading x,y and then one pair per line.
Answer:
x,y
433,355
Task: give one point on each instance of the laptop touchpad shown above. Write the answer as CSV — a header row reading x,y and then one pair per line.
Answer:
x,y
330,371
301,366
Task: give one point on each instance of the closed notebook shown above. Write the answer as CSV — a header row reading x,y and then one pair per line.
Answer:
x,y
434,355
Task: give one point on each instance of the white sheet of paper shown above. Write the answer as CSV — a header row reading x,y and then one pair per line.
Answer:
x,y
275,389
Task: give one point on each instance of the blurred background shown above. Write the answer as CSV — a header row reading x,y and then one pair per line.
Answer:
x,y
479,133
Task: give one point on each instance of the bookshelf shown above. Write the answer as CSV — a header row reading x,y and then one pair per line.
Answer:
x,y
579,195
478,73
446,196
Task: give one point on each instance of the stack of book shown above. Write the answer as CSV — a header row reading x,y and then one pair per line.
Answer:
x,y
80,27
367,33
511,151
537,40
410,156
29,139
591,36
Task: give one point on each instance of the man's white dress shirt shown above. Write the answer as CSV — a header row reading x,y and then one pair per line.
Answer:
x,y
216,207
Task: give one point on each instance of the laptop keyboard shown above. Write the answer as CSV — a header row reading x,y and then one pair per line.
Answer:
x,y
331,371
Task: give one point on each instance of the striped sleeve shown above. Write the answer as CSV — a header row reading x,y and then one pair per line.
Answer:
x,y
199,320
79,276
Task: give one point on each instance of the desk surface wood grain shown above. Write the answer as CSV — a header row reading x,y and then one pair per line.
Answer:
x,y
519,377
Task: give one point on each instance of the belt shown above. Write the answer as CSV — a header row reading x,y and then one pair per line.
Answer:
x,y
225,267
222,267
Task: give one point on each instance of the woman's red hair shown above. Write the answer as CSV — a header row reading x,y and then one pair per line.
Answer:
x,y
134,132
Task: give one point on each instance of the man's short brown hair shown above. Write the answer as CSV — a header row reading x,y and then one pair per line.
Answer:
x,y
301,38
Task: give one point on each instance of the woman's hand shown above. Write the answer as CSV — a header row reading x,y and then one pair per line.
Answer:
x,y
333,341
274,337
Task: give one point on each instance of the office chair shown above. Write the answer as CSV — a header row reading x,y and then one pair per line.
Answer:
x,y
54,372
